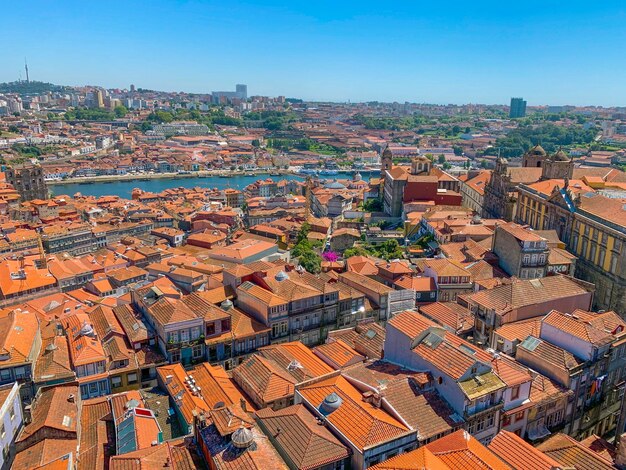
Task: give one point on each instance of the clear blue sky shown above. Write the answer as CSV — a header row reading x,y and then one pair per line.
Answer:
x,y
549,52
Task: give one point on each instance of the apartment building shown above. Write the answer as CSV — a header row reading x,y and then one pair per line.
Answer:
x,y
20,346
521,253
11,422
88,358
476,385
592,224
584,352
524,299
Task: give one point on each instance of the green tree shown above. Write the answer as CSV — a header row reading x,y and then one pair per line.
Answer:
x,y
442,159
373,205
311,261
303,233
120,111
389,249
301,248
355,251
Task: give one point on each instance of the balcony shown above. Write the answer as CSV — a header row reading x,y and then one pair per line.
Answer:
x,y
480,408
184,344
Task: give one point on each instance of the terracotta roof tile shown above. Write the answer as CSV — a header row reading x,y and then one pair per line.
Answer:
x,y
461,451
571,453
338,354
53,410
265,378
307,364
362,423
298,434
44,452
418,459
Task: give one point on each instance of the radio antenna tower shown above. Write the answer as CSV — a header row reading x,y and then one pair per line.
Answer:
x,y
26,67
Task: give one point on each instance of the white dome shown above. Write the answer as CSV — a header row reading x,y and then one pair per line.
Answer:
x,y
242,438
331,403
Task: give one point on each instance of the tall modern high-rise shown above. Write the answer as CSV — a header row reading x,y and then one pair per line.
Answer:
x,y
242,91
518,108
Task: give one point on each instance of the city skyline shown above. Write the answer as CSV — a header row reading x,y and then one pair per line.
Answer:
x,y
485,53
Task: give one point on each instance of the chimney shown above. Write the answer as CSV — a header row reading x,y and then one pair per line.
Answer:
x,y
377,400
620,455
243,405
70,398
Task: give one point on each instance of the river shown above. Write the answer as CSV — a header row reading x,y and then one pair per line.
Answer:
x,y
124,188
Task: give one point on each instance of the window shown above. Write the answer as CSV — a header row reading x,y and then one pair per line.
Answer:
x,y
12,413
480,425
506,421
613,266
195,332
5,374
93,387
490,420
210,329
184,336
2,431
20,373
515,393
131,378
197,351
175,356
519,416
173,337
116,382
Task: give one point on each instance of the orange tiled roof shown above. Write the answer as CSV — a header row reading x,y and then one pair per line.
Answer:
x,y
175,454
339,353
44,452
361,423
518,453
571,453
286,353
84,346
18,331
93,436
296,431
265,378
53,410
418,459
461,451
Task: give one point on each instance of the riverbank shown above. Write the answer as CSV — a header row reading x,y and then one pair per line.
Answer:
x,y
158,176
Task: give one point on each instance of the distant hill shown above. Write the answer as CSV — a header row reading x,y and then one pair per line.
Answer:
x,y
30,88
